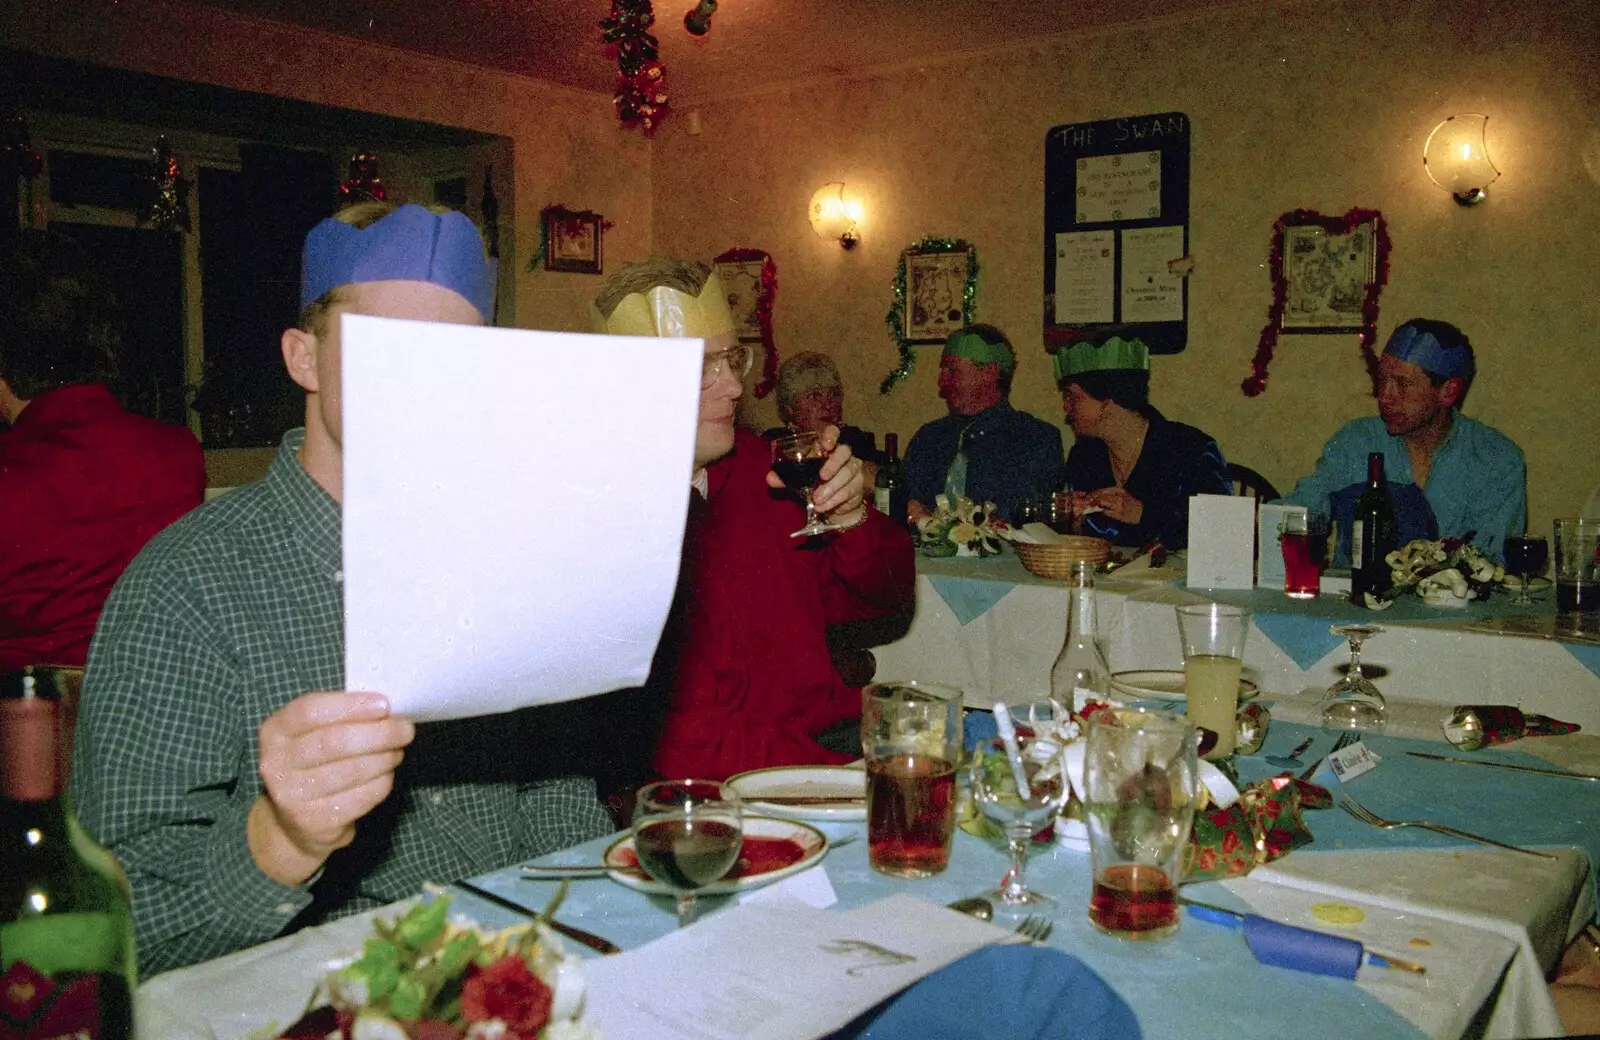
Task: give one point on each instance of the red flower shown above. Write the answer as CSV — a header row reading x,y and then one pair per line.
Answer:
x,y
508,991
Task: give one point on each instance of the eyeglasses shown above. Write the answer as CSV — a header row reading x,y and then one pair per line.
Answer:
x,y
736,359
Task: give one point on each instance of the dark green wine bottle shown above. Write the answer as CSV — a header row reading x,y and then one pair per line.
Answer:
x,y
1373,535
66,926
890,494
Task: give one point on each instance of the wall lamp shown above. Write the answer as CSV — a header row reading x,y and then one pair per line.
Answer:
x,y
1457,158
836,215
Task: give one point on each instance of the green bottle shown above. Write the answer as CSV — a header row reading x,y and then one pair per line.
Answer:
x,y
66,923
890,495
1373,535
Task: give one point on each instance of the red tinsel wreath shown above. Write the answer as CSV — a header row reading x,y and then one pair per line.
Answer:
x,y
1256,383
764,298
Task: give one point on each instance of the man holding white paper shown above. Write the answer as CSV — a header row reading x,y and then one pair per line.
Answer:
x,y
218,757
743,678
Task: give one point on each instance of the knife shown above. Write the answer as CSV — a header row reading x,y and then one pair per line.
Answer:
x,y
1504,765
1300,949
589,939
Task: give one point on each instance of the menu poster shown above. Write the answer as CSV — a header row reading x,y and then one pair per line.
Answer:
x,y
1150,290
1085,276
511,528
1125,186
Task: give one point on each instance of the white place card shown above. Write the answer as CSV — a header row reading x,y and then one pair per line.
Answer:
x,y
514,505
1222,542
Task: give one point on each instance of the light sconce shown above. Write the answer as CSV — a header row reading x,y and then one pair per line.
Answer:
x,y
834,215
1457,158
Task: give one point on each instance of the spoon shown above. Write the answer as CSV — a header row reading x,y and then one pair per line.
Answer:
x,y
977,906
1292,759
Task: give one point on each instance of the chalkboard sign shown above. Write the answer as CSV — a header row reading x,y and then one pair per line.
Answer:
x,y
1116,219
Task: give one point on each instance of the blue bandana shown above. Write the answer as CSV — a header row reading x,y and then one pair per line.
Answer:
x,y
411,244
1423,349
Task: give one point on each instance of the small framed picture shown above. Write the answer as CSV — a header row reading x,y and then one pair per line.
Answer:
x,y
1326,276
572,240
936,294
742,280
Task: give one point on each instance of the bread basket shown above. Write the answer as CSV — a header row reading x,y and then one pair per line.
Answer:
x,y
1056,559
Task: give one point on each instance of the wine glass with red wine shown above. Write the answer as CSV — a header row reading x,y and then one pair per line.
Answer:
x,y
1526,556
797,460
687,834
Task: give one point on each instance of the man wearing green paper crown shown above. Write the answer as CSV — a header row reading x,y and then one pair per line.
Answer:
x,y
984,450
1131,469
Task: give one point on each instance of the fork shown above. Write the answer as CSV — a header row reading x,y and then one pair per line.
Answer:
x,y
1035,928
1346,738
1365,815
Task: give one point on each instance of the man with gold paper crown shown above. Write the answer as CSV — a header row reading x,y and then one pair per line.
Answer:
x,y
742,674
984,450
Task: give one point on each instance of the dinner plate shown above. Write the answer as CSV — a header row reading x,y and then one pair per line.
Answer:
x,y
783,847
1166,684
847,782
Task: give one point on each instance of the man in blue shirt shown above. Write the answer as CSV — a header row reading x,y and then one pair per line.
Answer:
x,y
1448,475
984,449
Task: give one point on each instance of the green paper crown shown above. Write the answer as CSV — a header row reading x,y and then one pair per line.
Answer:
x,y
979,351
1115,354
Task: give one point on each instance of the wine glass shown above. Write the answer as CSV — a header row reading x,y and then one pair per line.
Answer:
x,y
687,834
1021,808
797,459
1527,556
1353,702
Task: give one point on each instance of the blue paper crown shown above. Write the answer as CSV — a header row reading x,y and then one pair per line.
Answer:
x,y
1423,349
411,244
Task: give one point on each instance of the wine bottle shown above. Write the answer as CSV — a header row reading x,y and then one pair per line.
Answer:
x,y
1373,535
66,924
889,492
1080,674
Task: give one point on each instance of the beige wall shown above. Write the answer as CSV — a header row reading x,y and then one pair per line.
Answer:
x,y
566,145
1317,105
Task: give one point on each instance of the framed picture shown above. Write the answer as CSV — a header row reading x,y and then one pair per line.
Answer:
x,y
572,240
1327,275
742,280
936,284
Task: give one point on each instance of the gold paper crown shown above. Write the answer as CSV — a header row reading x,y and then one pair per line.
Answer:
x,y
668,313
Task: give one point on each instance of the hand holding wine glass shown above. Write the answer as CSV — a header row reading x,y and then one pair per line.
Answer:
x,y
687,834
825,473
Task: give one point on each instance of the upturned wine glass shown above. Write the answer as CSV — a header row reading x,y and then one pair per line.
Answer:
x,y
687,834
797,459
1022,808
1353,702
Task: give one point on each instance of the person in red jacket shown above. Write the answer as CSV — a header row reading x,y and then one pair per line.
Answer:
x,y
743,666
83,483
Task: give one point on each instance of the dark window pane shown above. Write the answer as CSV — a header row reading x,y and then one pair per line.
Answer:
x,y
81,179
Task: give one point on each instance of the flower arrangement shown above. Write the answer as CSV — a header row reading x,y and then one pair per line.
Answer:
x,y
961,529
428,976
1447,572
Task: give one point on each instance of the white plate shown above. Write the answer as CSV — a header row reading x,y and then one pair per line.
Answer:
x,y
1164,684
625,869
805,782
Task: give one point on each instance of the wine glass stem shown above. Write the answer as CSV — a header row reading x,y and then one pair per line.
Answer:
x,y
1014,888
687,909
811,509
1355,658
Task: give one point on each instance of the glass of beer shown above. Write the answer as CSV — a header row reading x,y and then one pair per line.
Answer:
x,y
1142,780
1213,654
1577,558
911,739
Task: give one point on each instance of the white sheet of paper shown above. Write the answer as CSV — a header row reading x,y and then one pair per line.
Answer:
x,y
1085,276
777,971
1150,291
514,505
1222,542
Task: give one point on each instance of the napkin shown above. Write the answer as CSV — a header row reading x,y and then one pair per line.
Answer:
x,y
1018,992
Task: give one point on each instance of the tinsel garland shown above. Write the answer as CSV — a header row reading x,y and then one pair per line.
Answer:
x,y
641,94
166,206
895,319
22,158
764,300
1255,384
363,184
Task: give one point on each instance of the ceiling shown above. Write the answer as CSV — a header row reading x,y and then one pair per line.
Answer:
x,y
753,44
